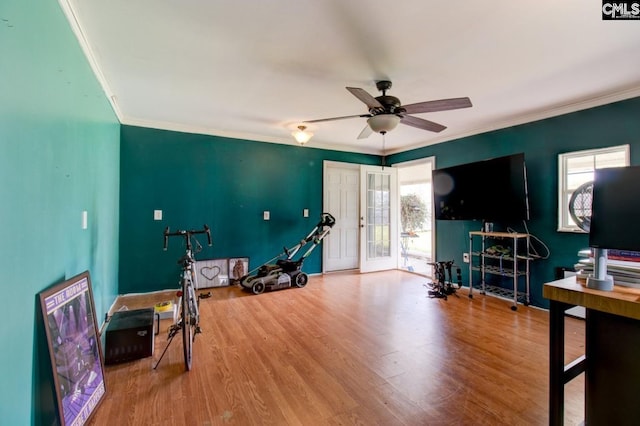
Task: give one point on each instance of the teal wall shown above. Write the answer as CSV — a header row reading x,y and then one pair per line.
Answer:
x,y
224,183
59,155
541,141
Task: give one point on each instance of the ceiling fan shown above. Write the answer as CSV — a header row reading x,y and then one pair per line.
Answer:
x,y
385,112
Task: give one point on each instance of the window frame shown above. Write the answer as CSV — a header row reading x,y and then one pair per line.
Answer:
x,y
563,174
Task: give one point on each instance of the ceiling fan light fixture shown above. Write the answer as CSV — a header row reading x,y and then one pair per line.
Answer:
x,y
301,135
383,123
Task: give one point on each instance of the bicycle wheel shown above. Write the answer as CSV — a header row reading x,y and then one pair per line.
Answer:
x,y
188,321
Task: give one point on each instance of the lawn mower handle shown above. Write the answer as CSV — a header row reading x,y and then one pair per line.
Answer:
x,y
326,220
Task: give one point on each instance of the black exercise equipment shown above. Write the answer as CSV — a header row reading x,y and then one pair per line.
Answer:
x,y
443,287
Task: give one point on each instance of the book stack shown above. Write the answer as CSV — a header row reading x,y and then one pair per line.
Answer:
x,y
622,265
624,255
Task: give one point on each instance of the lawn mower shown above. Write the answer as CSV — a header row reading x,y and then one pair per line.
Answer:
x,y
286,272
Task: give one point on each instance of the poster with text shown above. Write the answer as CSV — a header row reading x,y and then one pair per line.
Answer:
x,y
74,348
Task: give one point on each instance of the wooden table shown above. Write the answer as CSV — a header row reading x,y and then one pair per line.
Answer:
x,y
612,352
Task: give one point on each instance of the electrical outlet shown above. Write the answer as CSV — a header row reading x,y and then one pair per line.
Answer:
x,y
465,257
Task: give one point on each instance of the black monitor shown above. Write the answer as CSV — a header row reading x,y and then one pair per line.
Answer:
x,y
615,209
493,190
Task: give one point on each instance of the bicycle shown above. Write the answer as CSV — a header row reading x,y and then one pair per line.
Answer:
x,y
188,320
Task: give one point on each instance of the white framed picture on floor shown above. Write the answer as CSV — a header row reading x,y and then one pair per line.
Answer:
x,y
238,268
212,273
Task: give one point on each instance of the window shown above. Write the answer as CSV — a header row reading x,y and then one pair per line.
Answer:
x,y
576,168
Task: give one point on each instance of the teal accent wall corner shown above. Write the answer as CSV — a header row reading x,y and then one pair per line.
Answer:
x,y
59,156
224,183
541,141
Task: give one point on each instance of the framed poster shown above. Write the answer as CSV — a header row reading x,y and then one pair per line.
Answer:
x,y
212,273
74,348
238,267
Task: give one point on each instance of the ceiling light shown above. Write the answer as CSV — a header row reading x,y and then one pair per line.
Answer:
x,y
382,123
301,135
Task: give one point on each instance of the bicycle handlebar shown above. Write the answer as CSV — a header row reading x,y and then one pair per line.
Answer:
x,y
186,234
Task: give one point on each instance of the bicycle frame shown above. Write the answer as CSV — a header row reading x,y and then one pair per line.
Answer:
x,y
188,320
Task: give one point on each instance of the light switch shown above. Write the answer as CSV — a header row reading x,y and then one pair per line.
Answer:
x,y
157,215
266,215
85,219
305,213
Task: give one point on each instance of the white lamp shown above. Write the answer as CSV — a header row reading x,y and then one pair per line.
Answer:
x,y
301,135
382,123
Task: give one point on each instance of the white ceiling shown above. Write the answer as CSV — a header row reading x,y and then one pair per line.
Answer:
x,y
256,69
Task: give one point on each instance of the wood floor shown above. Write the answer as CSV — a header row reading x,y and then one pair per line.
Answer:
x,y
348,349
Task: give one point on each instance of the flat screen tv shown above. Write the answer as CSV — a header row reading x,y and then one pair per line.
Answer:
x,y
615,209
493,190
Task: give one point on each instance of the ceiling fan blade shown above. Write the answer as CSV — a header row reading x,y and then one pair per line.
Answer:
x,y
365,97
336,118
422,124
366,132
439,105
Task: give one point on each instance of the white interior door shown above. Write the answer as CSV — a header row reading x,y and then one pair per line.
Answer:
x,y
378,218
342,200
